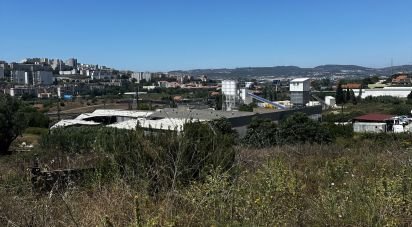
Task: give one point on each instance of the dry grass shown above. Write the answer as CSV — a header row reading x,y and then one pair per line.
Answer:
x,y
311,184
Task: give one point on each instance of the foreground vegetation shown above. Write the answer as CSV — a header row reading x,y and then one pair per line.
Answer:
x,y
297,172
149,180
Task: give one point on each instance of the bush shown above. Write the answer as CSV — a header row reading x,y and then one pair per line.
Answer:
x,y
36,131
298,128
341,117
402,109
345,131
166,158
261,133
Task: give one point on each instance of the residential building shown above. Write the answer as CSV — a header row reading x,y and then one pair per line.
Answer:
x,y
72,62
352,86
21,77
402,79
1,73
19,91
139,76
102,75
29,67
42,78
68,72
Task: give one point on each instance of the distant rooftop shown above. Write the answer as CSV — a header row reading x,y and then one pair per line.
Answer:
x,y
114,113
374,117
300,80
185,113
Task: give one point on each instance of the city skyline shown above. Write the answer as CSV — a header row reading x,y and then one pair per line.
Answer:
x,y
164,36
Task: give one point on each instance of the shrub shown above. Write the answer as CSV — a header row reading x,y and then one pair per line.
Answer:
x,y
168,159
36,131
261,133
298,128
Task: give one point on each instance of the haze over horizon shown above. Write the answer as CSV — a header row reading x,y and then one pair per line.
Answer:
x,y
182,35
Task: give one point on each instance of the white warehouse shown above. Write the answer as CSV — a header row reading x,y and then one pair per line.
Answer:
x,y
401,92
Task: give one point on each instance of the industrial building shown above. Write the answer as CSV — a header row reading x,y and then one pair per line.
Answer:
x,y
380,123
230,92
173,119
300,91
330,101
234,94
401,92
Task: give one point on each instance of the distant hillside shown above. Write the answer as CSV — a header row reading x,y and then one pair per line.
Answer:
x,y
293,71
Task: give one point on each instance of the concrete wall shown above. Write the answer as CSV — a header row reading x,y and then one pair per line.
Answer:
x,y
240,123
369,127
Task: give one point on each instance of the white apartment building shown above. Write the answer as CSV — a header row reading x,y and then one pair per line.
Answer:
x,y
139,76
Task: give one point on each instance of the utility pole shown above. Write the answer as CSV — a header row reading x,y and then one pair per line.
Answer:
x,y
137,97
58,108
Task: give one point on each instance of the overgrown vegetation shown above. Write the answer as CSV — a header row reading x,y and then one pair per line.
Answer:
x,y
12,122
297,129
164,159
302,173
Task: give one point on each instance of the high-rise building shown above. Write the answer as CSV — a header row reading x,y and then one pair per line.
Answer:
x,y
139,76
1,73
42,78
72,62
21,77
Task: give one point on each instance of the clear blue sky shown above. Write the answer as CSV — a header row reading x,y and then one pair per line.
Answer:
x,y
188,34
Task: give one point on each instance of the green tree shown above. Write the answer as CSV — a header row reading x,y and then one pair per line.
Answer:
x,y
299,128
409,97
12,122
261,133
247,108
353,98
340,95
347,95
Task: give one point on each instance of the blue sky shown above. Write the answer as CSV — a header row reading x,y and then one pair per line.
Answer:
x,y
162,35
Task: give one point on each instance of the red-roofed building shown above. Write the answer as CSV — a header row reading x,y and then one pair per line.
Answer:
x,y
352,86
373,123
375,117
401,79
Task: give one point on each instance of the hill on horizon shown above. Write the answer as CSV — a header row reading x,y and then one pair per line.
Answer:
x,y
293,71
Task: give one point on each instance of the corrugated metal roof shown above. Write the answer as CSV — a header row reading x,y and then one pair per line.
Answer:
x,y
66,123
374,117
205,114
114,113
